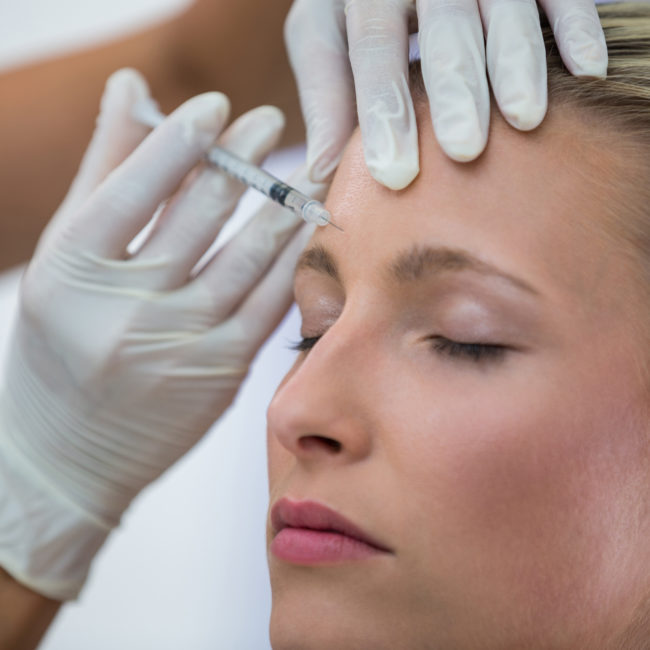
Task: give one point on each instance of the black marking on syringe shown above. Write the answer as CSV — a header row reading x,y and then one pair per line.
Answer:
x,y
279,192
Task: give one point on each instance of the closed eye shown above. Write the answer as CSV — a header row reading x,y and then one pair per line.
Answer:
x,y
476,352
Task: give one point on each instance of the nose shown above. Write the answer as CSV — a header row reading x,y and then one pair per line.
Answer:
x,y
323,409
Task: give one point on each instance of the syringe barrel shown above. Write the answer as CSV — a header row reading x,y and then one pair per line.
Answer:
x,y
260,180
273,187
245,172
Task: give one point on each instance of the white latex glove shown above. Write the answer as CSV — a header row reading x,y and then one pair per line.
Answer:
x,y
119,363
337,47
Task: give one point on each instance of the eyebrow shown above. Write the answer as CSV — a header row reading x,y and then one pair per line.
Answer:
x,y
414,264
318,258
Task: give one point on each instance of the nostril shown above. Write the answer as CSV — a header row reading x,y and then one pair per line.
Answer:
x,y
316,443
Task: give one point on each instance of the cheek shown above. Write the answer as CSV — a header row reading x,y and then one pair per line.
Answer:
x,y
548,453
537,430
530,485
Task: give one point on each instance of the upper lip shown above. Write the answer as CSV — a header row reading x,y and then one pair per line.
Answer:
x,y
315,516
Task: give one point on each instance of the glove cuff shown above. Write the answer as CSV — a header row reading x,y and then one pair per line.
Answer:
x,y
46,542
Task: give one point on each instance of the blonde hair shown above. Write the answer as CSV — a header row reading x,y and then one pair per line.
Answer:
x,y
622,101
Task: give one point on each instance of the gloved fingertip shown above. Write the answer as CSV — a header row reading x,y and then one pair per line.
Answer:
x,y
592,71
269,122
203,117
252,137
523,103
463,150
462,133
587,56
123,86
395,174
260,128
128,77
272,115
525,114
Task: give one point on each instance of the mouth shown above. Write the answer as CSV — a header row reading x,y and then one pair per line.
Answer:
x,y
310,534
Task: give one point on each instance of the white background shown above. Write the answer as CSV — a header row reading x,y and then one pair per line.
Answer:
x,y
187,568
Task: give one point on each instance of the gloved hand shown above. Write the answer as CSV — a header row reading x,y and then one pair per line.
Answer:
x,y
120,362
337,47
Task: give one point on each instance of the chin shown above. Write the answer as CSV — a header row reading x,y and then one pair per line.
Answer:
x,y
317,616
290,631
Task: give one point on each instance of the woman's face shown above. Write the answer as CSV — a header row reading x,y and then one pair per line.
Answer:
x,y
473,401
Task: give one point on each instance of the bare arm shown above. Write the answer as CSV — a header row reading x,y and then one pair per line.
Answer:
x,y
24,615
47,110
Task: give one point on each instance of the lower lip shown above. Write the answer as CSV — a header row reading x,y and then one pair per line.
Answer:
x,y
312,547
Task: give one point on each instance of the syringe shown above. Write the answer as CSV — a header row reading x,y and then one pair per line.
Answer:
x,y
146,112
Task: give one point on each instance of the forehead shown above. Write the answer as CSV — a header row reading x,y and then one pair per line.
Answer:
x,y
536,205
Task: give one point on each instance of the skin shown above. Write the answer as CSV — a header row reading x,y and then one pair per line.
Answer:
x,y
513,492
24,615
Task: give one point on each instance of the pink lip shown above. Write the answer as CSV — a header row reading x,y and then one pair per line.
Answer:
x,y
308,533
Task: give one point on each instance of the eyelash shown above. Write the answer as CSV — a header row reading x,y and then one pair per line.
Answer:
x,y
476,352
305,344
